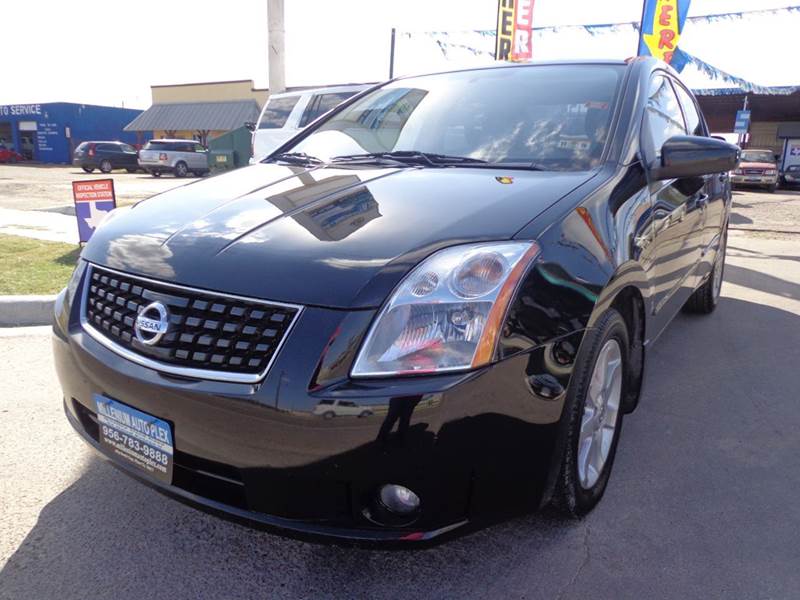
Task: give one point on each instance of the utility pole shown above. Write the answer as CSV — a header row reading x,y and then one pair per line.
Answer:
x,y
391,55
277,68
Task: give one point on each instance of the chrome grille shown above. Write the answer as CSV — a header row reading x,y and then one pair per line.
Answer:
x,y
753,171
210,335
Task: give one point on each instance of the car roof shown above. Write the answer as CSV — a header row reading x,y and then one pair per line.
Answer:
x,y
327,89
173,140
499,64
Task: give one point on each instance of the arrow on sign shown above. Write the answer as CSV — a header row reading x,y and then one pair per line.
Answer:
x,y
663,42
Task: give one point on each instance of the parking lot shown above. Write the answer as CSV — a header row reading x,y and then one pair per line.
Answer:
x,y
50,187
702,502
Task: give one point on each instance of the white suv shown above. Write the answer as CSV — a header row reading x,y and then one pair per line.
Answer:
x,y
286,114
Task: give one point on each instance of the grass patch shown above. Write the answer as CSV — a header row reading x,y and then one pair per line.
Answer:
x,y
29,266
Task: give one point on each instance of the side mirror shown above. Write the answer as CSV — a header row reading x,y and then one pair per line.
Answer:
x,y
694,156
250,125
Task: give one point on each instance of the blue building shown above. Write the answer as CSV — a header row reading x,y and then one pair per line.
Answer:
x,y
49,133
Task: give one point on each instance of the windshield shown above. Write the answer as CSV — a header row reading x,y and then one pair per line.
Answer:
x,y
555,117
758,156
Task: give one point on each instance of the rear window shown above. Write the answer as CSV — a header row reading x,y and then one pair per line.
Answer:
x,y
277,112
127,148
757,156
322,103
163,146
82,147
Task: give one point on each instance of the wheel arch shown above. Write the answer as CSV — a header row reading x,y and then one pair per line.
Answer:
x,y
629,293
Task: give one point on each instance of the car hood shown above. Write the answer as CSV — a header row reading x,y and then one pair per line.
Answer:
x,y
333,237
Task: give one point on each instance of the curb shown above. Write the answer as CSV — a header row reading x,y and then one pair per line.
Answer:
x,y
22,311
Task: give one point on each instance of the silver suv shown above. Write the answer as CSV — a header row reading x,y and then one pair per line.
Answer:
x,y
179,157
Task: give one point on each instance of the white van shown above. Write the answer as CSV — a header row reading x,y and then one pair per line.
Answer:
x,y
286,114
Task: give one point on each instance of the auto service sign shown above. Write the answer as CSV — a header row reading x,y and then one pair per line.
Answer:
x,y
514,30
93,201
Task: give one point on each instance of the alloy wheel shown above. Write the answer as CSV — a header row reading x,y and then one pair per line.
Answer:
x,y
600,411
719,266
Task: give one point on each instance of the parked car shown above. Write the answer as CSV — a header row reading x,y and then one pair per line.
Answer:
x,y
9,155
757,168
179,157
105,156
533,228
285,114
329,408
791,176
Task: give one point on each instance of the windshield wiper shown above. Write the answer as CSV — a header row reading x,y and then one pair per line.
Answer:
x,y
296,158
430,159
411,157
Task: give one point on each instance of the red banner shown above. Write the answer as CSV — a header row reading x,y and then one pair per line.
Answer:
x,y
514,30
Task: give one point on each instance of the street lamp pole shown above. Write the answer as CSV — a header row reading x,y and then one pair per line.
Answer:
x,y
276,53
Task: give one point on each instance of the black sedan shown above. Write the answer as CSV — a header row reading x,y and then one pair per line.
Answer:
x,y
430,308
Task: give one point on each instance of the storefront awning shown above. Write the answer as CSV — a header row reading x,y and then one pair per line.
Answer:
x,y
196,116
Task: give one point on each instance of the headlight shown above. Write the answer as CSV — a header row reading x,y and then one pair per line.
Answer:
x,y
770,172
447,313
737,172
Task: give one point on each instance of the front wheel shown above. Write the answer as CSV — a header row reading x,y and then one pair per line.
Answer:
x,y
592,414
106,166
771,189
181,170
705,298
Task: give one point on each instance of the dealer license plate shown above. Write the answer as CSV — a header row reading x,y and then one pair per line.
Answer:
x,y
756,179
135,436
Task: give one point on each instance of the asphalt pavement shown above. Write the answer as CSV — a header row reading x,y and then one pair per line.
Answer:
x,y
702,502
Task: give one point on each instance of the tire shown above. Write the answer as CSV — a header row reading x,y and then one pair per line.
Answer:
x,y
88,169
581,482
705,298
771,189
106,166
328,415
131,170
365,413
181,170
155,173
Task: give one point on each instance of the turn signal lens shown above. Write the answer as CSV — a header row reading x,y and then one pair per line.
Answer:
x,y
447,313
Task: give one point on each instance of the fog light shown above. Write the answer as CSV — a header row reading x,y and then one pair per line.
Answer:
x,y
399,500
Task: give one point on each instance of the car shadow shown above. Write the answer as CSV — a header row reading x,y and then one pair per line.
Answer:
x,y
680,466
109,536
758,280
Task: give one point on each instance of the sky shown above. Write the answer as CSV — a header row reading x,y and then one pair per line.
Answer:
x,y
66,51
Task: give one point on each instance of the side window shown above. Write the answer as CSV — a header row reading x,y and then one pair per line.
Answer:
x,y
694,124
663,118
277,112
322,103
199,148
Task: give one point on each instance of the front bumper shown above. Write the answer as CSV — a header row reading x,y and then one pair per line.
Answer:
x,y
473,446
754,179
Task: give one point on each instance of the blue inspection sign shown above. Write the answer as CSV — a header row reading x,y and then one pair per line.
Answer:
x,y
94,199
742,121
